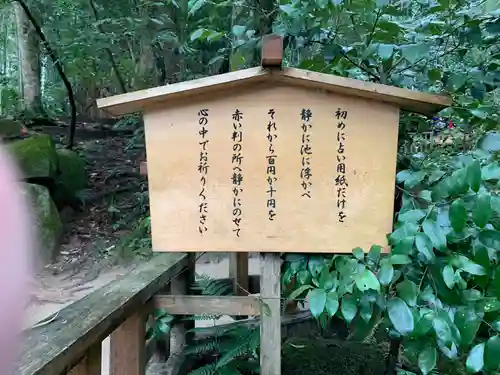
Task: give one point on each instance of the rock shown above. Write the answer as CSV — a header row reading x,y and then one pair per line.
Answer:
x,y
36,156
71,178
10,128
48,222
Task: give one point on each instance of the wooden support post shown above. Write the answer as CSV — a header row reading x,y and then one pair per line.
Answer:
x,y
238,271
179,336
200,305
128,351
180,285
91,364
270,317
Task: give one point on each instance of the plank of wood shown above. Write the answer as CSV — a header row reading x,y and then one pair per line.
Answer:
x,y
199,305
164,96
128,352
139,100
409,100
91,364
52,348
288,323
238,271
272,51
180,285
94,359
143,168
270,326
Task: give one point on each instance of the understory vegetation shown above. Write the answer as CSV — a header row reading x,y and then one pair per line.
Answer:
x,y
433,302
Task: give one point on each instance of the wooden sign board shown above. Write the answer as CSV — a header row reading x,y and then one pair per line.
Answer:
x,y
271,168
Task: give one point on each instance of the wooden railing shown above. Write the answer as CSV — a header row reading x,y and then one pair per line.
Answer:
x,y
71,343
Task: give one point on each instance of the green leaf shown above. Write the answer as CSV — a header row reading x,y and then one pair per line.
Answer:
x,y
464,263
197,34
414,52
386,273
481,113
458,215
482,212
367,280
317,301
442,330
492,353
348,308
434,74
435,233
424,246
400,315
315,265
195,5
381,3
402,232
385,51
490,142
474,176
488,305
358,253
374,253
157,21
490,238
297,292
413,216
288,9
408,291
491,172
436,176
398,259
468,322
449,276
332,303
238,30
456,81
475,360
427,359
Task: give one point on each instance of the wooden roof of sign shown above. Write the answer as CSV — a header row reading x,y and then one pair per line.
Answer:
x,y
142,100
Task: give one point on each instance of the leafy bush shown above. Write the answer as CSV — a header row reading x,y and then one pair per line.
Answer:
x,y
438,290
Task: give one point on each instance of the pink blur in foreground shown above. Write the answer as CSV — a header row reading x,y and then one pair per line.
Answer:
x,y
16,244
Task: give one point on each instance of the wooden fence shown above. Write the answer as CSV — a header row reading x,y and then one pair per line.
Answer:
x,y
71,343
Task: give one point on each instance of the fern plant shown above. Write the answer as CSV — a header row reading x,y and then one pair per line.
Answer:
x,y
232,350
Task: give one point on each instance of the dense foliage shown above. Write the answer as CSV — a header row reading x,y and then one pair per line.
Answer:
x,y
437,292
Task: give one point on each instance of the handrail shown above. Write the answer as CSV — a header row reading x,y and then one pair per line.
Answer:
x,y
57,347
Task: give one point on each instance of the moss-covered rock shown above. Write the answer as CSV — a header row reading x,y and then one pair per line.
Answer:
x,y
37,156
48,222
10,128
307,356
72,177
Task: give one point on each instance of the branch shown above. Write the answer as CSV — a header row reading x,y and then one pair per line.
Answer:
x,y
370,38
59,68
361,67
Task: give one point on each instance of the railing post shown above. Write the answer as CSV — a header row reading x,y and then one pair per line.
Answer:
x,y
91,364
179,336
128,352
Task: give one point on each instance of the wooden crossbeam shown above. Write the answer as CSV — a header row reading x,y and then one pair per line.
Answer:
x,y
198,305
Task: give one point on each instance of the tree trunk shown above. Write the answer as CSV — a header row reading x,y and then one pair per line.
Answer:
x,y
29,51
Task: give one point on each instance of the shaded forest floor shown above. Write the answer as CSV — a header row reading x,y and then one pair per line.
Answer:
x,y
103,238
93,230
